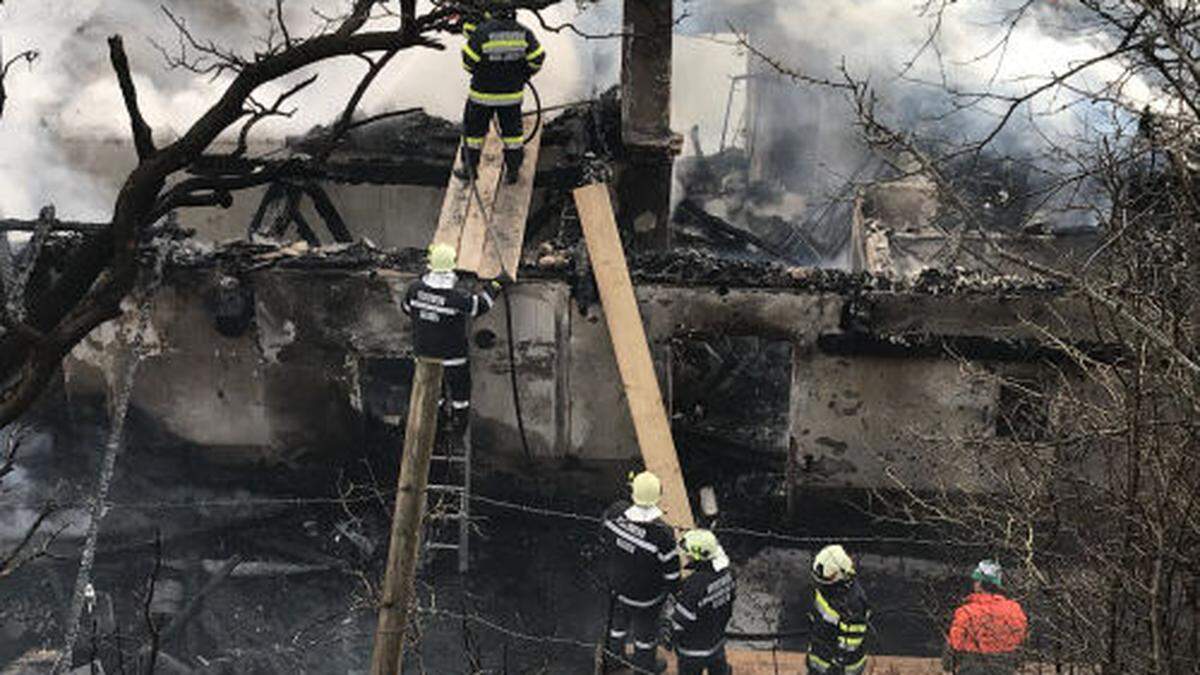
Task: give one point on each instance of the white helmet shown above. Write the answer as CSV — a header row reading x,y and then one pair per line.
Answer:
x,y
832,565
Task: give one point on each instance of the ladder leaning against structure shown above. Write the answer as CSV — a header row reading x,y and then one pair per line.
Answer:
x,y
484,221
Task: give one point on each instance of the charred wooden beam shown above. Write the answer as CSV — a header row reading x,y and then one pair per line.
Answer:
x,y
16,225
644,185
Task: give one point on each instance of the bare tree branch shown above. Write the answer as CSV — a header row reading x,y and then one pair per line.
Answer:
x,y
259,112
25,551
28,56
143,138
85,296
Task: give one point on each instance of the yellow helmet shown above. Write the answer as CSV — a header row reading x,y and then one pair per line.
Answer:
x,y
700,544
832,565
646,489
442,258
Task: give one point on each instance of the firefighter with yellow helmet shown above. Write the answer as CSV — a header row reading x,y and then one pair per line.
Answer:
x,y
440,308
839,618
642,569
703,606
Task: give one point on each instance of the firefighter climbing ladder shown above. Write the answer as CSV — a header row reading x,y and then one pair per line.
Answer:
x,y
487,229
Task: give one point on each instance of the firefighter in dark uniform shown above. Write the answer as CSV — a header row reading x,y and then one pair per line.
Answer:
x,y
839,616
501,55
703,606
440,307
643,568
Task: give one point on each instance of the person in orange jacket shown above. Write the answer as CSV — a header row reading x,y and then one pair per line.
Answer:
x,y
988,628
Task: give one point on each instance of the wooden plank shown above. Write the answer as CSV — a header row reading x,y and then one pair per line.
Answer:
x,y
632,351
511,213
387,656
474,229
488,230
455,204
763,662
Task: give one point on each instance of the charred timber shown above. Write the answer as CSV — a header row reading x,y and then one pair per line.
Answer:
x,y
14,225
239,173
969,347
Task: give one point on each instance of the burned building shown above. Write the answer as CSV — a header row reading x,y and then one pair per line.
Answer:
x,y
806,337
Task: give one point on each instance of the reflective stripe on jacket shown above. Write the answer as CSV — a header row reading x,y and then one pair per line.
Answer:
x,y
703,607
643,559
501,56
838,623
439,309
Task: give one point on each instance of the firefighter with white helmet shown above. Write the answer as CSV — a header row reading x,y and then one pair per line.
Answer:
x,y
643,568
839,617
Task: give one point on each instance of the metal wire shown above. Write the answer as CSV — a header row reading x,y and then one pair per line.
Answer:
x,y
490,501
529,637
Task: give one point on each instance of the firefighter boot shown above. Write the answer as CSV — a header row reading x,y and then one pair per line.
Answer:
x,y
513,159
470,165
615,658
647,661
458,425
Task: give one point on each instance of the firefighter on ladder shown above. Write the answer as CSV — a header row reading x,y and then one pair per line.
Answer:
x,y
440,309
501,55
839,616
643,568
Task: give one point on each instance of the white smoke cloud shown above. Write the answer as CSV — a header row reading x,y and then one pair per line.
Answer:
x,y
879,39
889,44
72,94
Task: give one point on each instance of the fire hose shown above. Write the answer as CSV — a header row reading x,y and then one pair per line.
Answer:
x,y
508,320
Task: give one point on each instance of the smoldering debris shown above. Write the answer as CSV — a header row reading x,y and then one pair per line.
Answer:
x,y
698,268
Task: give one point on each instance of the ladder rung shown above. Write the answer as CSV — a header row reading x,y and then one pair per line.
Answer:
x,y
445,516
445,488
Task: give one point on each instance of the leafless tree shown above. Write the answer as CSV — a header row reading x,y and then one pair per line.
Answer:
x,y
36,541
1090,493
96,276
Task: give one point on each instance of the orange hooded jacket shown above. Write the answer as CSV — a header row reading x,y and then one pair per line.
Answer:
x,y
988,623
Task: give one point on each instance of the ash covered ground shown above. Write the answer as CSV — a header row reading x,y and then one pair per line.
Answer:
x,y
312,557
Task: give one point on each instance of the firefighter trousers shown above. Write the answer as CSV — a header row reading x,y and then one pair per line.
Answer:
x,y
639,624
456,385
714,664
476,119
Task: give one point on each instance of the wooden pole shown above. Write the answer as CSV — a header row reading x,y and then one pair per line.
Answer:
x,y
632,350
388,655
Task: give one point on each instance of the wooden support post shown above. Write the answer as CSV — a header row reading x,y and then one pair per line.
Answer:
x,y
632,351
644,182
388,655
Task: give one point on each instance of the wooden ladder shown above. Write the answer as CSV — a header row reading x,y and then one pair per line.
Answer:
x,y
488,241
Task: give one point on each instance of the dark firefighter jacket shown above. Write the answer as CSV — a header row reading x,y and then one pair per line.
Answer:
x,y
501,56
838,628
702,610
439,308
985,635
643,561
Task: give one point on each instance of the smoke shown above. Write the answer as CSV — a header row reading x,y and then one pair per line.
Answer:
x,y
49,149
912,59
64,136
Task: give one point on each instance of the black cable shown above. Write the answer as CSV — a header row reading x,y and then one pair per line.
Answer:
x,y
508,322
537,124
512,372
763,637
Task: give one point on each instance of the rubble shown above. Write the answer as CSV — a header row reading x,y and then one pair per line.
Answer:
x,y
699,268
